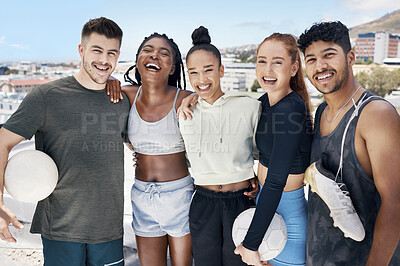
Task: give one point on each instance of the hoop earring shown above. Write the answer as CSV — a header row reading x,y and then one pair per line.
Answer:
x,y
126,75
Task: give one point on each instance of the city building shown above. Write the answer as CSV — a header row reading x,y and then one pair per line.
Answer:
x,y
12,92
9,103
22,86
377,46
239,76
233,81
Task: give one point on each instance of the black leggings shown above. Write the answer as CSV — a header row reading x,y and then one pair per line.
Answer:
x,y
211,218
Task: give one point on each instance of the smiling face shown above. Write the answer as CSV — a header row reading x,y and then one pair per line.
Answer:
x,y
205,74
274,67
156,58
99,56
328,67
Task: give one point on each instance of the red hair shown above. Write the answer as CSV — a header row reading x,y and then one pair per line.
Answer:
x,y
297,82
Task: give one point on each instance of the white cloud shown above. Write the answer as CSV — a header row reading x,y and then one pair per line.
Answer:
x,y
20,46
2,38
371,5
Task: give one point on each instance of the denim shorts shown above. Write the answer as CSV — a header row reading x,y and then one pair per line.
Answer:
x,y
161,208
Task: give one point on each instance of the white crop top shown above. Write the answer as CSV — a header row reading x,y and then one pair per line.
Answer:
x,y
155,138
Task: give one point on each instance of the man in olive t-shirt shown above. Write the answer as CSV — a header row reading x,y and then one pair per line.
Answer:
x,y
74,122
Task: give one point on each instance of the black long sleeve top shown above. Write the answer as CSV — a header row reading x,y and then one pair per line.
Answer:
x,y
283,137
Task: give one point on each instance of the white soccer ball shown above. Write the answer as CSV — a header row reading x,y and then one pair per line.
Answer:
x,y
274,239
30,176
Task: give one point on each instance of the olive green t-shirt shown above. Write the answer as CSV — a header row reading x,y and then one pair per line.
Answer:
x,y
83,132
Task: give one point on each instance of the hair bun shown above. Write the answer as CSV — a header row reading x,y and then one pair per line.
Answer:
x,y
201,36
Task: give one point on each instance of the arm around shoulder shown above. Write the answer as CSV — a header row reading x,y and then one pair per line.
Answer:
x,y
130,91
185,100
182,95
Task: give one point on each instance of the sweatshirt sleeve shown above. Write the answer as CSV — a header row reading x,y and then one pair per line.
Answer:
x,y
287,121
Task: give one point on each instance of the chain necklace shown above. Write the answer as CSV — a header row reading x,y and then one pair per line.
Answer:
x,y
336,116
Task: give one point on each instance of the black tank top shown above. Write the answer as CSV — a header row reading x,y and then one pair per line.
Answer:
x,y
326,244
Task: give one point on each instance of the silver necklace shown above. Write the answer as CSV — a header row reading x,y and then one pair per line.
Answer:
x,y
336,116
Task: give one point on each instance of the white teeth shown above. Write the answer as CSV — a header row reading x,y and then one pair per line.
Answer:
x,y
203,87
153,65
324,76
269,79
101,68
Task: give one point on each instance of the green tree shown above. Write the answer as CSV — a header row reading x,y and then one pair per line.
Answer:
x,y
395,74
252,59
359,61
11,71
381,81
247,56
243,57
255,86
362,78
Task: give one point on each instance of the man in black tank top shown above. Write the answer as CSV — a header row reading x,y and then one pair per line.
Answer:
x,y
370,169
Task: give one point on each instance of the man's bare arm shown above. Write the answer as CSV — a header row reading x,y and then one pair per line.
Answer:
x,y
7,141
380,128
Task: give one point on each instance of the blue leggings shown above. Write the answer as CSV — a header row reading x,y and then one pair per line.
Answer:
x,y
293,208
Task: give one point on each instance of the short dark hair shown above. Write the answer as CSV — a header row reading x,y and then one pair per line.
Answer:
x,y
103,26
202,41
332,31
176,78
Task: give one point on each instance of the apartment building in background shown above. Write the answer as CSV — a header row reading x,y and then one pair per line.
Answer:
x,y
378,46
22,86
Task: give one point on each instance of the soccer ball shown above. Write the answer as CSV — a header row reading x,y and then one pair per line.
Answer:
x,y
274,239
30,176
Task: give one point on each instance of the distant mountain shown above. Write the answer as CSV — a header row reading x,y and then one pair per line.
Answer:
x,y
389,22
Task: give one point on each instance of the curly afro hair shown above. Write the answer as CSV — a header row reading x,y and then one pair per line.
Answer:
x,y
333,31
176,78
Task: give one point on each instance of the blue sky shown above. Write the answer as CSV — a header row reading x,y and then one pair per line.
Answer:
x,y
50,30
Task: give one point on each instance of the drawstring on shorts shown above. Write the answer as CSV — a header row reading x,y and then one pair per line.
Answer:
x,y
153,189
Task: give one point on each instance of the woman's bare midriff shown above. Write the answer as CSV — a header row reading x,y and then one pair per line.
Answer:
x,y
293,182
161,168
228,187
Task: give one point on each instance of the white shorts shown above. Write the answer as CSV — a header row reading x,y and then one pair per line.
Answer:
x,y
161,208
